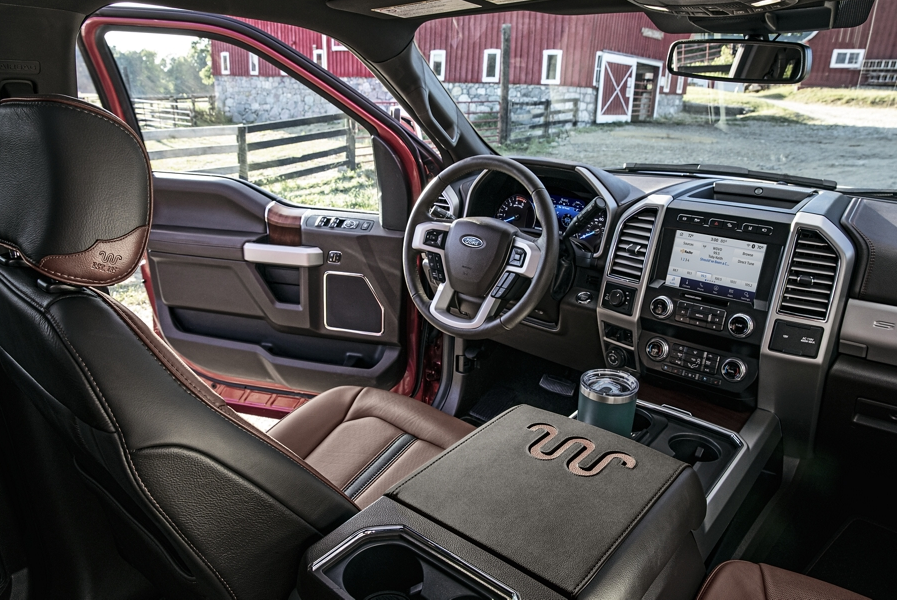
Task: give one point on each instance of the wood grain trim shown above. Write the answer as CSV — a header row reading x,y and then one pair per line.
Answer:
x,y
284,224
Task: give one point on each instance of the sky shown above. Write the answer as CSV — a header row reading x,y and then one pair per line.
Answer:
x,y
163,44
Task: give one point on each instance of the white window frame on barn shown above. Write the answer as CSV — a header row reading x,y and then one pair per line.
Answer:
x,y
319,56
857,63
486,54
336,46
225,63
596,76
680,84
438,56
253,64
545,61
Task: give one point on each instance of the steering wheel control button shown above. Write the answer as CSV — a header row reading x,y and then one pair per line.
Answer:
x,y
618,298
518,257
661,307
733,370
504,284
435,238
657,349
437,271
741,325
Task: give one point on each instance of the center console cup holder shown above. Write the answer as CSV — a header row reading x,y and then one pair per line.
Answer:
x,y
396,563
693,449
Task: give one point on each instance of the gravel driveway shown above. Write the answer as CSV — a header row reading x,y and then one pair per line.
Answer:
x,y
852,155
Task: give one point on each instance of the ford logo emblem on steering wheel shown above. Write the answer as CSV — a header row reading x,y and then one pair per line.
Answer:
x,y
472,241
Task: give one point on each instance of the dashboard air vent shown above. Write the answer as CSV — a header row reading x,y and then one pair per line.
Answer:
x,y
632,246
811,277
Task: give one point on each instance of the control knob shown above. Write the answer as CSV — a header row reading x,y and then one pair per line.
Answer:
x,y
661,307
733,370
615,358
657,349
741,325
616,298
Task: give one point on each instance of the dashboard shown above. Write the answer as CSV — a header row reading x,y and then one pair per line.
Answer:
x,y
518,209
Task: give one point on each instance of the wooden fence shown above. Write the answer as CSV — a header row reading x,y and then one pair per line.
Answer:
x,y
170,111
541,118
242,147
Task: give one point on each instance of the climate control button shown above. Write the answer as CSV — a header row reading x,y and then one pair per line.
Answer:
x,y
657,349
733,370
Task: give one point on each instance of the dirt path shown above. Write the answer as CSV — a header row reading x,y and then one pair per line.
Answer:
x,y
851,116
851,155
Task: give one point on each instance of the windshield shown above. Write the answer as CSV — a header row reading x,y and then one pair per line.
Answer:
x,y
595,89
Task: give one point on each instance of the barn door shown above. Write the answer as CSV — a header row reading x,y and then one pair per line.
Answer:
x,y
615,88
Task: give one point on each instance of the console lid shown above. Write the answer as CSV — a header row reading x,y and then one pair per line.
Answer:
x,y
557,498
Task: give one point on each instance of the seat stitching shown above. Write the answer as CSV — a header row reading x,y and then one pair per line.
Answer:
x,y
124,444
385,469
197,393
710,579
370,462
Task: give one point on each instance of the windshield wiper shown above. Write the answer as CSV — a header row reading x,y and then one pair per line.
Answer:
x,y
824,184
873,193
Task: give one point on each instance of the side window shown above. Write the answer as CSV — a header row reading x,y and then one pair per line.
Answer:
x,y
205,106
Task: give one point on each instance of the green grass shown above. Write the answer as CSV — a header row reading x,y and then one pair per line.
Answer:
x,y
132,294
833,96
356,190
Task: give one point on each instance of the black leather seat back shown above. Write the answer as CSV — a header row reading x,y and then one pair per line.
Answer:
x,y
201,503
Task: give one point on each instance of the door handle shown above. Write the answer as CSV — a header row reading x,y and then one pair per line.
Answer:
x,y
287,256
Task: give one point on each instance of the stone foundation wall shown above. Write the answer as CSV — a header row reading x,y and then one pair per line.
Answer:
x,y
260,99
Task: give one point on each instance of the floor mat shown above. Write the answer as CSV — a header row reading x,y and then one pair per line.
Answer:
x,y
861,558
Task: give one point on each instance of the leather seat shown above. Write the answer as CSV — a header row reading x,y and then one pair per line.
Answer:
x,y
365,440
198,501
740,580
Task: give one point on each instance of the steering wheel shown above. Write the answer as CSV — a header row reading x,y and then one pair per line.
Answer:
x,y
479,260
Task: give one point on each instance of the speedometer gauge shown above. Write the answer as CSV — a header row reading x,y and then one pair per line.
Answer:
x,y
517,210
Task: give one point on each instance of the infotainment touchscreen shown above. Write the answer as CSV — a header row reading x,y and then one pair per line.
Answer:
x,y
715,265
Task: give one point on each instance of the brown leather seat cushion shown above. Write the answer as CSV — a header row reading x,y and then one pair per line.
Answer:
x,y
740,580
364,440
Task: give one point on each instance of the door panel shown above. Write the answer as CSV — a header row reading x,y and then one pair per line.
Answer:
x,y
265,322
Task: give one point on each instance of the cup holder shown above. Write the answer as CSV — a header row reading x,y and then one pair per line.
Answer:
x,y
641,422
367,576
693,449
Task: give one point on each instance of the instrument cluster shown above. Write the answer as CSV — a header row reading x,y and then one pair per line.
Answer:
x,y
519,211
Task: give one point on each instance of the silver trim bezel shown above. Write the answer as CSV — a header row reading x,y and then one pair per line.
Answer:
x,y
376,297
747,333
428,546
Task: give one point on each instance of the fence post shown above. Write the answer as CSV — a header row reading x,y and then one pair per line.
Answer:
x,y
242,153
350,143
504,104
575,112
546,119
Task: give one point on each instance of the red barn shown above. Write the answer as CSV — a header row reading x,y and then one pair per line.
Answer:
x,y
607,67
859,56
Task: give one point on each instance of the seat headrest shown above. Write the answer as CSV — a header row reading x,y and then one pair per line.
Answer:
x,y
75,190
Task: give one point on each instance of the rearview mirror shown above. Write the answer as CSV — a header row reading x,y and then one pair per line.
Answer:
x,y
742,61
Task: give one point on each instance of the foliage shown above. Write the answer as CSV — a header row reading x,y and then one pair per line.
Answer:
x,y
147,75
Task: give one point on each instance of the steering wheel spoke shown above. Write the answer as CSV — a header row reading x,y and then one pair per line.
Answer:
x,y
442,301
524,258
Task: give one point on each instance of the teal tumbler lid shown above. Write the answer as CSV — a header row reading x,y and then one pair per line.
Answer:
x,y
608,386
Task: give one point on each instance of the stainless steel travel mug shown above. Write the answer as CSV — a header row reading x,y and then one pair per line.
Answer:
x,y
607,400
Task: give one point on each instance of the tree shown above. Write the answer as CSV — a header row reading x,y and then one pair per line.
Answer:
x,y
145,75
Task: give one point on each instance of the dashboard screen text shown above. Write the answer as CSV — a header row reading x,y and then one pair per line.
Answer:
x,y
715,265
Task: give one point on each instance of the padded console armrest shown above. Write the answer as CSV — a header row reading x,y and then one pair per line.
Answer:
x,y
590,513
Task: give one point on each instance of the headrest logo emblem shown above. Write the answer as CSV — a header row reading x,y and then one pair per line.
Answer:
x,y
472,241
109,257
574,465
